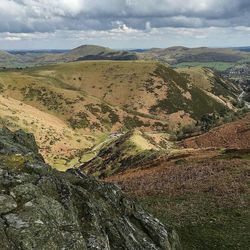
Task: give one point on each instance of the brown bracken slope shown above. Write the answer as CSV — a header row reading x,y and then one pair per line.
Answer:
x,y
203,192
231,135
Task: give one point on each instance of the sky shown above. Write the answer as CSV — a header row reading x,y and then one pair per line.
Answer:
x,y
123,24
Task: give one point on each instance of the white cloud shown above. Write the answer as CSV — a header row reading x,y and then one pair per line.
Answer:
x,y
42,15
121,17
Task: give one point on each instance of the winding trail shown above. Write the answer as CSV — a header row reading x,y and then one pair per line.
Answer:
x,y
240,99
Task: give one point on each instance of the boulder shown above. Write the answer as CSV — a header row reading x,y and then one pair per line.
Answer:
x,y
42,208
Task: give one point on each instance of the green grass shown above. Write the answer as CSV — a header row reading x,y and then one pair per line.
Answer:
x,y
245,60
234,155
200,104
220,66
215,217
87,157
202,223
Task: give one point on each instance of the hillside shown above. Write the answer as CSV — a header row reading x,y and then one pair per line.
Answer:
x,y
136,150
204,194
44,208
211,83
202,190
232,135
73,107
175,55
132,148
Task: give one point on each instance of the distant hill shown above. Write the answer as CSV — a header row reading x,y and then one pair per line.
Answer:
x,y
174,55
89,52
217,58
17,59
245,49
6,56
7,59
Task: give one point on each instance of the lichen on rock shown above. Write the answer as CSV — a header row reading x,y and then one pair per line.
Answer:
x,y
41,208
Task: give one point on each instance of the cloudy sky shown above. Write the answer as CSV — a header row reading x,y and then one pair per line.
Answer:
x,y
63,24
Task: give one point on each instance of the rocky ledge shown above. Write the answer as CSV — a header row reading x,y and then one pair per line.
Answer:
x,y
41,208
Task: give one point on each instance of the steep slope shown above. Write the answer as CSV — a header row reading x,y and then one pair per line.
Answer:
x,y
235,134
221,89
41,208
204,194
174,55
57,140
81,103
132,148
139,86
203,190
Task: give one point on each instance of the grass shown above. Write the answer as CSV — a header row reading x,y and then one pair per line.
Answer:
x,y
200,223
94,97
206,200
219,66
209,210
87,157
200,104
115,154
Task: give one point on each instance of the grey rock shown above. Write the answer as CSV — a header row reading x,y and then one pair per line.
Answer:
x,y
42,208
25,192
15,222
7,204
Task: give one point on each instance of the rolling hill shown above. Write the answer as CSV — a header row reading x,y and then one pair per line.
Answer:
x,y
86,52
8,60
122,122
216,58
201,186
23,59
176,55
73,107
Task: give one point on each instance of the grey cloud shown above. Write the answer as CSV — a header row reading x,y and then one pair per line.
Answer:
x,y
48,16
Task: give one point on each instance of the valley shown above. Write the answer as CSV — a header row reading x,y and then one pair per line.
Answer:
x,y
73,107
169,126
124,125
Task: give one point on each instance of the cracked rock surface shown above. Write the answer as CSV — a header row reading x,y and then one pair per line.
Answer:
x,y
41,208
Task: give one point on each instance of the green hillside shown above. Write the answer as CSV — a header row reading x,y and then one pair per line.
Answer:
x,y
82,103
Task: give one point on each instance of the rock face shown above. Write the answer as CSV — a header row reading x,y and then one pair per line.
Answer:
x,y
41,208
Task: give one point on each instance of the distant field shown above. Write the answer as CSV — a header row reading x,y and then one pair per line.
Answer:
x,y
11,65
220,66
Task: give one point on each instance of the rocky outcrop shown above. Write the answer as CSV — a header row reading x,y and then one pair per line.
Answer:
x,y
41,208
